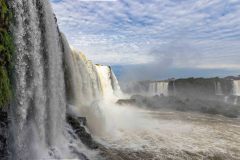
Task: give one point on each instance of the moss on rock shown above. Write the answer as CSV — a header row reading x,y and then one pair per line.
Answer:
x,y
6,50
5,93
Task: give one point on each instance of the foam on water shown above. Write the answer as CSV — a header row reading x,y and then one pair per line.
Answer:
x,y
168,134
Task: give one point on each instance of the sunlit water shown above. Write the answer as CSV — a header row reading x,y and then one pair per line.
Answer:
x,y
132,133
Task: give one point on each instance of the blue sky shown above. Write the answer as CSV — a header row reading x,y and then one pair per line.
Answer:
x,y
155,39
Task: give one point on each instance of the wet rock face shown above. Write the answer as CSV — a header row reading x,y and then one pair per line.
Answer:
x,y
78,124
3,135
126,102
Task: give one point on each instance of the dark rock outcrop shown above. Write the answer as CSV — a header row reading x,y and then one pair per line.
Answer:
x,y
126,102
3,135
78,124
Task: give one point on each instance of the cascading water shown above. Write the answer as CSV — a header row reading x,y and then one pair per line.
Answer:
x,y
116,87
236,87
158,88
49,75
219,92
218,88
109,83
38,110
87,86
236,91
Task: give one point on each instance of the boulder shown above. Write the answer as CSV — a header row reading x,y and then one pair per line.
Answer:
x,y
79,126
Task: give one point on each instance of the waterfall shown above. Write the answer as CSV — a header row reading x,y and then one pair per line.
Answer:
x,y
38,110
50,79
108,80
236,87
158,88
88,84
218,88
116,87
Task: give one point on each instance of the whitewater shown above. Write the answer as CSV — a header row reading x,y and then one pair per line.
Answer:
x,y
53,80
143,134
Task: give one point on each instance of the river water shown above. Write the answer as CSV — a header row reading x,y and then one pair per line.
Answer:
x,y
136,134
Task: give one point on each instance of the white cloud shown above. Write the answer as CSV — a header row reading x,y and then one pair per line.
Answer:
x,y
195,33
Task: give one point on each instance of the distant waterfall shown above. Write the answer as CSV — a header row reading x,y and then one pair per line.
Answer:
x,y
236,91
158,88
218,88
116,87
109,83
236,87
38,110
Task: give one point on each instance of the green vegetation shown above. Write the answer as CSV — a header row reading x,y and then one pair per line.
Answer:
x,y
6,50
5,93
